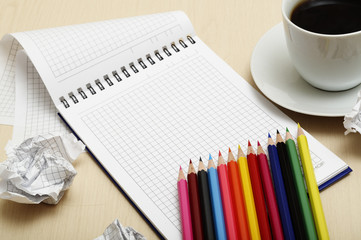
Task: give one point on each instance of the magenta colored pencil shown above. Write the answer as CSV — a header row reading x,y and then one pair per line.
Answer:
x,y
184,206
270,196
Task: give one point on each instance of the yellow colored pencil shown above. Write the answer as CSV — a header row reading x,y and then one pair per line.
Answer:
x,y
248,195
313,192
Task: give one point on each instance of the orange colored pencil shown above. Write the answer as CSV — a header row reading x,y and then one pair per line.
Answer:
x,y
238,197
227,202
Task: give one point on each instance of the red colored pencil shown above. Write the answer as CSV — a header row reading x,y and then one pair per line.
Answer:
x,y
270,195
238,197
259,200
194,202
185,211
227,202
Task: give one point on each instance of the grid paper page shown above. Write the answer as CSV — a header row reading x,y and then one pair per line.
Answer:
x,y
7,83
186,106
193,117
35,112
65,49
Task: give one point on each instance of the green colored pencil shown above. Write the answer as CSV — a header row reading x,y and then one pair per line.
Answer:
x,y
300,187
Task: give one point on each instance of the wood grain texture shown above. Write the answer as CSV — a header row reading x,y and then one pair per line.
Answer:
x,y
231,28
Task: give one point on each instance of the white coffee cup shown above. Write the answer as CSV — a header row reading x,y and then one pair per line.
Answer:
x,y
328,62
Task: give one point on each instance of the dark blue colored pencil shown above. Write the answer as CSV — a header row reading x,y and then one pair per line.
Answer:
x,y
280,191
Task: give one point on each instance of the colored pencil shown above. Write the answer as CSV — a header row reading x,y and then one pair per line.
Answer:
x,y
313,192
238,198
205,202
259,200
194,202
184,206
293,203
306,214
248,195
227,202
216,200
280,191
269,193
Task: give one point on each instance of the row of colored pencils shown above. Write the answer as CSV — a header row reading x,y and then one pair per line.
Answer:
x,y
255,197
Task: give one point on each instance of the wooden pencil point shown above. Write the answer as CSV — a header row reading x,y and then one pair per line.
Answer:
x,y
211,163
190,161
220,159
250,149
240,152
287,129
191,168
270,141
259,149
181,174
231,156
300,131
219,153
258,144
249,143
200,159
288,135
201,165
278,131
279,138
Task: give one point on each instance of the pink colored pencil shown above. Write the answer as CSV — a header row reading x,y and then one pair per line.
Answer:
x,y
270,196
227,202
185,210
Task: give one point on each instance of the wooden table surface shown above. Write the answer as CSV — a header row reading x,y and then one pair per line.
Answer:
x,y
231,28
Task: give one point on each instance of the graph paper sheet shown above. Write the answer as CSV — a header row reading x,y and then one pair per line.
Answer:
x,y
144,128
179,107
35,112
65,55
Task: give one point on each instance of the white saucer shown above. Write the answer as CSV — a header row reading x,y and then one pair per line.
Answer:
x,y
276,77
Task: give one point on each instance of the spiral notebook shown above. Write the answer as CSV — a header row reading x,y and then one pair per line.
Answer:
x,y
145,95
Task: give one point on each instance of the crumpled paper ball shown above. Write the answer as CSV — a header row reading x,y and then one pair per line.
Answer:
x,y
39,169
115,231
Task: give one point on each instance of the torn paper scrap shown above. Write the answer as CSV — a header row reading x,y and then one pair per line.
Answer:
x,y
39,169
116,231
352,120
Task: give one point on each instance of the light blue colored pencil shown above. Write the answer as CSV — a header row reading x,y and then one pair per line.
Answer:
x,y
216,201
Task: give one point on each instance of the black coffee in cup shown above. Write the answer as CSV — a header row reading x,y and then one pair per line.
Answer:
x,y
328,16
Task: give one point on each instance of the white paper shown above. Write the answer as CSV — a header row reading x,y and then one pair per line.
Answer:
x,y
115,231
352,120
35,112
39,169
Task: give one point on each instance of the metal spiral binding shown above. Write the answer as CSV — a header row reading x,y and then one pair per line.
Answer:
x,y
125,72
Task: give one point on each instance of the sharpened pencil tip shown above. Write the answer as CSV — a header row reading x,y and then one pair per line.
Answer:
x,y
258,143
269,135
298,124
200,159
180,167
278,132
190,161
287,129
229,149
219,154
249,143
210,157
239,147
